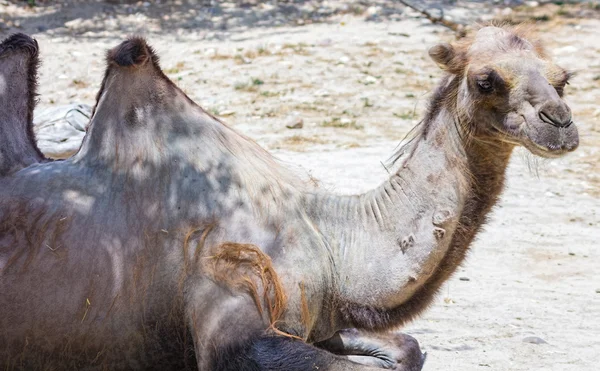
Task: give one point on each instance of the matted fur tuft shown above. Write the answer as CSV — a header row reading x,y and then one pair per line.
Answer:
x,y
238,265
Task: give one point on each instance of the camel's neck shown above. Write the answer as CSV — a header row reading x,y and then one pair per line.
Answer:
x,y
395,245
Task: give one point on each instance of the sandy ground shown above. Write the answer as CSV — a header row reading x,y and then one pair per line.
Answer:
x,y
358,80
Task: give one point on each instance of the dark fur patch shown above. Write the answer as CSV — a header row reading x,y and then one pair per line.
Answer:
x,y
517,42
20,41
132,52
273,353
371,318
24,43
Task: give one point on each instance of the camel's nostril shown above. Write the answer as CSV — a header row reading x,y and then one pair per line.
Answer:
x,y
552,120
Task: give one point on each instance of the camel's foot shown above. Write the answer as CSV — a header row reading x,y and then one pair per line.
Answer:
x,y
392,351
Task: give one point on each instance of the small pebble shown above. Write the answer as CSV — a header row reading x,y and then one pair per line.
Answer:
x,y
597,291
343,60
227,113
534,340
464,279
296,123
370,80
373,10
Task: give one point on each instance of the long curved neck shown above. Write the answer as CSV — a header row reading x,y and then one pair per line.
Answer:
x,y
394,246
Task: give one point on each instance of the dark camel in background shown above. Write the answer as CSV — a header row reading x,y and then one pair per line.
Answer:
x,y
169,241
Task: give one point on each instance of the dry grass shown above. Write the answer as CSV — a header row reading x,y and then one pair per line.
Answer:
x,y
249,86
342,123
79,84
299,141
173,70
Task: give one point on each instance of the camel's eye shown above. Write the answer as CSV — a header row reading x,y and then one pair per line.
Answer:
x,y
485,86
488,80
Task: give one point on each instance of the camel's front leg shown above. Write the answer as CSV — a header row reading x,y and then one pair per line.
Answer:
x,y
395,351
229,335
277,353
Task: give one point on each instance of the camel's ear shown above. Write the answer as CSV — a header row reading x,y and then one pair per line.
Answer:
x,y
449,58
442,54
132,52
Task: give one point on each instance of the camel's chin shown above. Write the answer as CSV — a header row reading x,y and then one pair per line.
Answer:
x,y
551,149
544,151
540,138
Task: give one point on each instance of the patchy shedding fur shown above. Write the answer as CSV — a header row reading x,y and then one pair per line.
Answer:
x,y
272,353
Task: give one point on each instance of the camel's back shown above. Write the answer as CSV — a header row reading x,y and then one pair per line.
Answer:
x,y
77,268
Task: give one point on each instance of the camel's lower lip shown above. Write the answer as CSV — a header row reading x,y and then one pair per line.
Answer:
x,y
546,151
536,148
548,141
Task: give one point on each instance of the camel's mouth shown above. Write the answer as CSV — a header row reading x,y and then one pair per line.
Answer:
x,y
546,151
540,138
549,141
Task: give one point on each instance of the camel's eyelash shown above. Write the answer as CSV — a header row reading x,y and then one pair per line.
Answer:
x,y
567,77
560,86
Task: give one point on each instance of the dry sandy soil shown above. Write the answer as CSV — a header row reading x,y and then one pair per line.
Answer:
x,y
358,77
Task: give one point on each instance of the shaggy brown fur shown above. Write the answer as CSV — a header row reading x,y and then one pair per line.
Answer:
x,y
238,265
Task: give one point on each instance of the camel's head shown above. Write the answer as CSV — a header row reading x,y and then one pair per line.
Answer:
x,y
507,88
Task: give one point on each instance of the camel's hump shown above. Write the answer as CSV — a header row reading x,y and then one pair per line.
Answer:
x,y
20,41
132,52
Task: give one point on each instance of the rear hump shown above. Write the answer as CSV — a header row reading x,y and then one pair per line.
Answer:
x,y
19,61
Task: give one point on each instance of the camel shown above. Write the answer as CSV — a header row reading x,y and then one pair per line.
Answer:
x,y
169,241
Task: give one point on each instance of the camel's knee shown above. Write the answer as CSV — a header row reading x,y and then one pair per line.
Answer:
x,y
413,358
